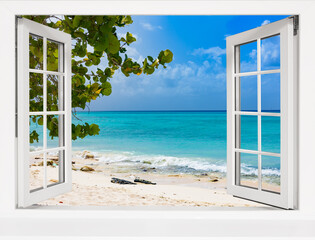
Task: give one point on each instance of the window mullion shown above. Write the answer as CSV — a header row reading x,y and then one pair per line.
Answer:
x,y
259,111
44,110
237,118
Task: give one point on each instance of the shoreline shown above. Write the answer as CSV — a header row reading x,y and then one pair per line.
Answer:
x,y
94,188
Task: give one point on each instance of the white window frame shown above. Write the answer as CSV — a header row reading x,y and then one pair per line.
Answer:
x,y
25,28
193,224
288,82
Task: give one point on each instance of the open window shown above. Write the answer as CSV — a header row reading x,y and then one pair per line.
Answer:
x,y
44,112
271,70
260,132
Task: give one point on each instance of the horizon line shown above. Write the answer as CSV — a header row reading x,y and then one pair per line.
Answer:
x,y
153,111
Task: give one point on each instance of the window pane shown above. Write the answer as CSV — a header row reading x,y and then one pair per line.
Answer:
x,y
54,93
36,92
270,134
270,92
35,52
55,131
248,93
249,170
270,173
53,167
248,57
36,171
53,56
249,133
270,53
36,133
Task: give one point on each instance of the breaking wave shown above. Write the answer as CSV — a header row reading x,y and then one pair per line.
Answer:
x,y
185,164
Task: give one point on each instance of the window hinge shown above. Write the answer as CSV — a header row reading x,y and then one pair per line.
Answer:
x,y
295,24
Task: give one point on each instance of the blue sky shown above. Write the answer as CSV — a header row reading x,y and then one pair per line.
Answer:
x,y
196,78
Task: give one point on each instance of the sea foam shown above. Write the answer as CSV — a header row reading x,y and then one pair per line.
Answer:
x,y
186,164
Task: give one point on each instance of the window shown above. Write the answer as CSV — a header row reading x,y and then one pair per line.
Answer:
x,y
248,224
44,105
262,114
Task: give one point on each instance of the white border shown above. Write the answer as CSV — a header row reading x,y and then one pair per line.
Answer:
x,y
179,223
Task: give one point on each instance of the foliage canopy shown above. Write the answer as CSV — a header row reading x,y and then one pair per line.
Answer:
x,y
100,33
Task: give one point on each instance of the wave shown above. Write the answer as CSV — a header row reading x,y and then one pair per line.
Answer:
x,y
178,164
34,149
251,171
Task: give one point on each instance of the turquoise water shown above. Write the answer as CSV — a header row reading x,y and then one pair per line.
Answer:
x,y
191,142
177,141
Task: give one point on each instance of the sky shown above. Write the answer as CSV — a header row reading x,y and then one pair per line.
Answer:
x,y
196,78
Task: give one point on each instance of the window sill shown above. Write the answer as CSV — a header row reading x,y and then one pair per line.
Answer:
x,y
156,222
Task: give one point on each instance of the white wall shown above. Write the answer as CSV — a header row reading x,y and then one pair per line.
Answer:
x,y
145,223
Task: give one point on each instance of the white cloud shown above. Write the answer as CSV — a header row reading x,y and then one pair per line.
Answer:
x,y
187,79
270,51
253,54
134,54
182,79
265,22
270,55
214,53
149,26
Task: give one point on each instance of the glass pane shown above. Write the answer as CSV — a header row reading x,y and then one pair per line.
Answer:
x,y
36,171
270,53
36,92
249,170
54,93
248,57
270,170
35,52
55,131
249,132
270,134
52,56
53,167
248,93
270,92
36,133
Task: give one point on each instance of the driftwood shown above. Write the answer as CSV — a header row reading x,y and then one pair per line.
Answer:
x,y
143,181
121,181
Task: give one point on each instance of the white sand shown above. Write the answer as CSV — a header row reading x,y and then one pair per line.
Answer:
x,y
95,188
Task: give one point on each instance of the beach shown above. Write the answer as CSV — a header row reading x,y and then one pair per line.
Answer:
x,y
183,152
94,188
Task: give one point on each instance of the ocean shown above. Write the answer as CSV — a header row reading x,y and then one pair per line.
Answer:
x,y
177,142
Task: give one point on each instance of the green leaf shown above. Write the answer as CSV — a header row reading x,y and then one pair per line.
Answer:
x,y
128,20
105,29
94,129
76,21
99,19
40,121
129,38
113,45
145,63
107,88
150,58
165,56
108,72
150,70
101,45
